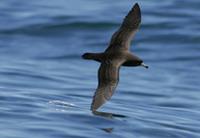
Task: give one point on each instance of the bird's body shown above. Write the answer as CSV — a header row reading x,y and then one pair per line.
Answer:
x,y
116,55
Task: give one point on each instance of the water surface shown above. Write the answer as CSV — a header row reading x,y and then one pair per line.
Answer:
x,y
46,88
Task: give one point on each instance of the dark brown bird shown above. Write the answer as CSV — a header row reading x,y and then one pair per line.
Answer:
x,y
117,54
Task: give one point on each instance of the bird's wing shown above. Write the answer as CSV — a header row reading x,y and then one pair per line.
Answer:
x,y
123,37
108,76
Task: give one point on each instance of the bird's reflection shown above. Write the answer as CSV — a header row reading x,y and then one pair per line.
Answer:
x,y
108,130
110,116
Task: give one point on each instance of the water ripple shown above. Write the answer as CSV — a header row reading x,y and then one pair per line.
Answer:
x,y
46,88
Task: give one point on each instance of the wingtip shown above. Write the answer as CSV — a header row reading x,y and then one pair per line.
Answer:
x,y
93,109
137,10
136,6
96,104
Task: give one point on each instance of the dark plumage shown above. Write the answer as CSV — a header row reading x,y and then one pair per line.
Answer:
x,y
117,54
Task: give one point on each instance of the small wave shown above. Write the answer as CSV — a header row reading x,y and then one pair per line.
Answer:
x,y
61,57
53,28
61,103
29,75
177,59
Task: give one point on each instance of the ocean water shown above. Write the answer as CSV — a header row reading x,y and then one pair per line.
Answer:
x,y
46,88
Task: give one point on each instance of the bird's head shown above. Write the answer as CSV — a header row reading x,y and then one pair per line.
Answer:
x,y
135,61
144,65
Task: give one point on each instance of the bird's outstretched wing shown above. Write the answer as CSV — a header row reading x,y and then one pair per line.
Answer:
x,y
123,37
108,76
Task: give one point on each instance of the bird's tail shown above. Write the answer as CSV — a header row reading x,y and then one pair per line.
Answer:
x,y
88,56
93,56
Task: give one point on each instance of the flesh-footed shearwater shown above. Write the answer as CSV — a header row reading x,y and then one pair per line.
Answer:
x,y
117,54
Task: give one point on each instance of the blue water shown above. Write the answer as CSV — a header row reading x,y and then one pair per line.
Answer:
x,y
46,88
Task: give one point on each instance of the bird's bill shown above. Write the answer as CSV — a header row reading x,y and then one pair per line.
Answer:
x,y
144,65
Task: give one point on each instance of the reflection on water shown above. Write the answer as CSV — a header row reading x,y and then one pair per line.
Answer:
x,y
108,130
46,88
107,115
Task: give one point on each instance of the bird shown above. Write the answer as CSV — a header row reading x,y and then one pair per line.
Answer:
x,y
116,55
